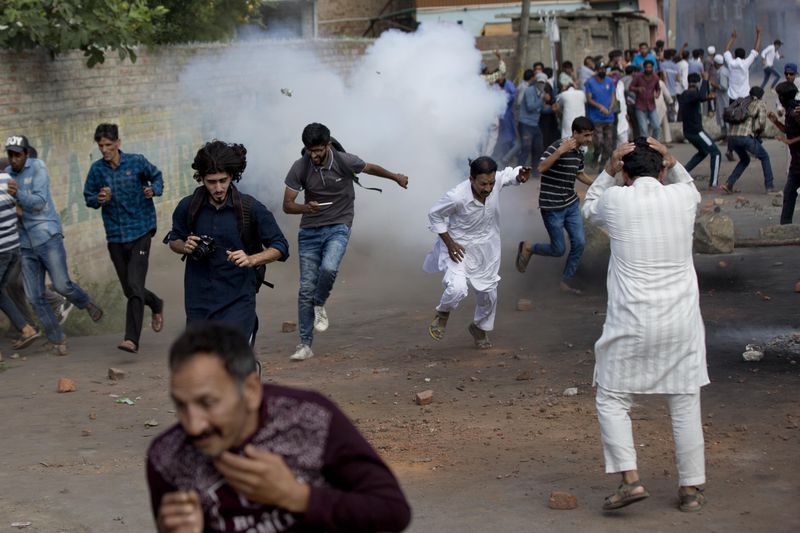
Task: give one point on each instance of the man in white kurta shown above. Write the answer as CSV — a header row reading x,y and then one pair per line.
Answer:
x,y
467,220
653,339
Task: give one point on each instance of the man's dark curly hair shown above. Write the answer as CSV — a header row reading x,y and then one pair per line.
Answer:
x,y
217,156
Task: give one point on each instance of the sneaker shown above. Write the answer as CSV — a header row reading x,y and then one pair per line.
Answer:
x,y
64,310
320,318
94,312
302,352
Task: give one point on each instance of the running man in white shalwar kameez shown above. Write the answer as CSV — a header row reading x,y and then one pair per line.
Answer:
x,y
467,220
653,339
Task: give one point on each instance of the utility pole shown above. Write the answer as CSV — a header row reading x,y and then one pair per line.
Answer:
x,y
522,38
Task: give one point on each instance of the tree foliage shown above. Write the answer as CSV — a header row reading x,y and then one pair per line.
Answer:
x,y
100,26
94,26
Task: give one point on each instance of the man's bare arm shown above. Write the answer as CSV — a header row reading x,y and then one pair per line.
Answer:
x,y
583,177
377,170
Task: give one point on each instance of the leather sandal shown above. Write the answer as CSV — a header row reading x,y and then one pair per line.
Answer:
x,y
625,496
693,502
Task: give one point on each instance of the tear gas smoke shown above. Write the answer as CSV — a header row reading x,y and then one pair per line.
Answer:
x,y
413,104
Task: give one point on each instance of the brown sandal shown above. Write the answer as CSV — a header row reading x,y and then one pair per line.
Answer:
x,y
481,338
522,259
692,502
626,496
437,327
157,322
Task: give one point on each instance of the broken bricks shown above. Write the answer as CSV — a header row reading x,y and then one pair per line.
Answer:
x,y
562,500
115,374
66,385
423,398
288,326
524,305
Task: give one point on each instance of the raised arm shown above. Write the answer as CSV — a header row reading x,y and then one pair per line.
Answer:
x,y
730,42
757,46
377,170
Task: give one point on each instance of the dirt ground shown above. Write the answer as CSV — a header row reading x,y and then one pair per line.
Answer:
x,y
499,436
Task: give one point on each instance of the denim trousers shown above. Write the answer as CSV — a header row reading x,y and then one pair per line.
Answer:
x,y
532,146
768,73
50,258
742,145
555,222
321,251
8,260
651,117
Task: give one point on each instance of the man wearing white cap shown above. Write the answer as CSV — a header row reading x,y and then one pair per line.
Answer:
x,y
718,79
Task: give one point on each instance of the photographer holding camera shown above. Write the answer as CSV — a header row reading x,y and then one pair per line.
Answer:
x,y
229,237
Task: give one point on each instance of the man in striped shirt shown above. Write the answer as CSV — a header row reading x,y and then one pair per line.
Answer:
x,y
560,165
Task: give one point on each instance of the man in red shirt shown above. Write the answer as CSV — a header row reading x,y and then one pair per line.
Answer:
x,y
251,457
646,87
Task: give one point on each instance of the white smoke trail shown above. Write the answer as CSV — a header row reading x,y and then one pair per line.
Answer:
x,y
413,104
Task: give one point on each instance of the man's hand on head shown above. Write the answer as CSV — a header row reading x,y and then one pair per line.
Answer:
x,y
180,512
669,159
569,144
614,164
263,477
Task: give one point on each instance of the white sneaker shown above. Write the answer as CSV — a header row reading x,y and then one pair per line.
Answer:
x,y
320,318
302,352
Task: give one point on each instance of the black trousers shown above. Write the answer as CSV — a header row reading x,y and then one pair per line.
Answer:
x,y
131,260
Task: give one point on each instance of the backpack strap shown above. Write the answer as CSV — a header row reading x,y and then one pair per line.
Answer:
x,y
249,233
338,159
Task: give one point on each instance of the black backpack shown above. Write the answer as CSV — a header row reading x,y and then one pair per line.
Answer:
x,y
243,206
736,113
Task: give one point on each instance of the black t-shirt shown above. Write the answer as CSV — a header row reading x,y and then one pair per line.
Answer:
x,y
792,131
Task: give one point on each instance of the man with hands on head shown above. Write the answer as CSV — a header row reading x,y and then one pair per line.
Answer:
x,y
325,173
467,220
251,457
653,339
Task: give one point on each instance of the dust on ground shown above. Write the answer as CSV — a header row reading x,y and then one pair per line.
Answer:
x,y
499,436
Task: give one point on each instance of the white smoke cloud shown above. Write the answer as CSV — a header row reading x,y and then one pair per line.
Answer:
x,y
413,104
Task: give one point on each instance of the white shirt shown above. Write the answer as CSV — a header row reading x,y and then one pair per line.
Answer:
x,y
473,225
769,55
682,81
622,118
653,338
739,82
573,105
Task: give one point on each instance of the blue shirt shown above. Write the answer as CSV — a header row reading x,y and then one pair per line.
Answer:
x,y
39,221
670,69
601,92
128,215
532,106
215,288
639,59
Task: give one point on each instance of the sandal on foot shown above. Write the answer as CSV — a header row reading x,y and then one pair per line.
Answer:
x,y
691,503
128,346
157,322
437,327
95,313
481,338
522,258
24,342
625,496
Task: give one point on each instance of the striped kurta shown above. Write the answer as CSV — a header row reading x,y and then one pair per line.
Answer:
x,y
653,338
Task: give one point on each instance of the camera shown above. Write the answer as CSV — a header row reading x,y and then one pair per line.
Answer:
x,y
205,247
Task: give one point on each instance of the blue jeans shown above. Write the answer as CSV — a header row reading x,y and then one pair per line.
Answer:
x,y
532,146
321,251
7,262
742,145
555,222
50,258
768,73
642,119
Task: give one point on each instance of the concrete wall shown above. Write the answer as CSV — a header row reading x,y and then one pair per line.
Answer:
x,y
58,103
351,17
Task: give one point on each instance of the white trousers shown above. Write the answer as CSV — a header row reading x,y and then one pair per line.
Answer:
x,y
456,288
613,413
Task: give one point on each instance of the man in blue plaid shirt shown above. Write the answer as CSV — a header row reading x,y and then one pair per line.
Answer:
x,y
123,185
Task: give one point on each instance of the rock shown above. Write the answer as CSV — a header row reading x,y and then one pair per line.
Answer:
x,y
151,423
572,391
753,352
288,326
598,245
92,416
86,433
741,200
525,375
784,346
722,264
66,385
115,374
14,356
562,500
780,232
424,398
713,234
524,305
777,200
719,201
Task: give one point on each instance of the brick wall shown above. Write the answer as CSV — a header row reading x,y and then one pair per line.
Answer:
x,y
58,103
340,17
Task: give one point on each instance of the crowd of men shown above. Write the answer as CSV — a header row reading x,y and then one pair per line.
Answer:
x,y
640,92
247,456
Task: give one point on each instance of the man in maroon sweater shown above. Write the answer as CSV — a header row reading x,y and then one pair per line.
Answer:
x,y
251,457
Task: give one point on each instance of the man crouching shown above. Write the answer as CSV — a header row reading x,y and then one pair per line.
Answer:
x,y
251,457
